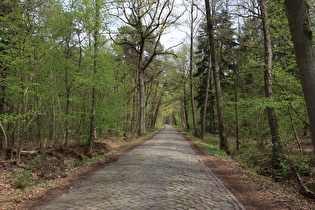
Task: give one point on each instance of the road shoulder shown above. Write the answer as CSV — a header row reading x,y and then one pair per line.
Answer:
x,y
254,192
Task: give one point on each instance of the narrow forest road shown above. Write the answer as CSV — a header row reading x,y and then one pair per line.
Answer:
x,y
162,173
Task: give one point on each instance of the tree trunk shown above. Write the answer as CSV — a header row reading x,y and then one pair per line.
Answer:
x,y
294,130
67,112
142,98
92,122
205,104
272,118
156,111
133,119
211,109
222,125
95,68
142,128
185,109
211,98
52,125
4,143
236,112
3,137
68,90
192,95
297,12
52,116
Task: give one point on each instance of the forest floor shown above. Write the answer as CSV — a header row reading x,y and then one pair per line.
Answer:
x,y
52,171
252,190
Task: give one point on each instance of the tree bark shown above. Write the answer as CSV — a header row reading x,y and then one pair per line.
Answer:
x,y
294,130
191,60
205,103
156,109
142,128
272,118
67,88
67,112
133,119
222,125
142,95
185,108
4,144
297,12
95,69
212,128
236,111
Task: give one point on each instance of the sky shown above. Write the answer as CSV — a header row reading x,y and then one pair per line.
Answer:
x,y
180,32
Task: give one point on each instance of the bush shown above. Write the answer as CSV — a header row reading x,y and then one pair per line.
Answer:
x,y
22,179
301,162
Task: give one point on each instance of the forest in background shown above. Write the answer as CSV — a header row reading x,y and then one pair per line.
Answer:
x,y
76,71
64,79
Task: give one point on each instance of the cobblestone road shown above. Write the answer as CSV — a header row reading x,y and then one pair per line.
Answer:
x,y
162,173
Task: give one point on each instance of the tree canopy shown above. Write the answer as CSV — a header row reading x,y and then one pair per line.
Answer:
x,y
77,71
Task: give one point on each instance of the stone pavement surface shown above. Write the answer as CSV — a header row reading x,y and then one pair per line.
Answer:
x,y
162,173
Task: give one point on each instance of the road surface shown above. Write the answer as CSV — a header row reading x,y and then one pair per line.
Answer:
x,y
162,173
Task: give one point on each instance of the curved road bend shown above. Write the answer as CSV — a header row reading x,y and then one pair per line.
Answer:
x,y
162,173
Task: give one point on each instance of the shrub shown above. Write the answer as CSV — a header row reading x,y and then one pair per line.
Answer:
x,y
22,179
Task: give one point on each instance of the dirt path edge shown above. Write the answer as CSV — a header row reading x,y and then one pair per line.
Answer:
x,y
255,192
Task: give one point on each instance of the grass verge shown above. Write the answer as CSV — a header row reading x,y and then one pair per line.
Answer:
x,y
209,143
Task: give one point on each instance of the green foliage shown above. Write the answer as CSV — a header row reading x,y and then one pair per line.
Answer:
x,y
255,159
47,59
33,162
77,163
22,179
210,143
301,162
213,140
154,132
258,160
212,149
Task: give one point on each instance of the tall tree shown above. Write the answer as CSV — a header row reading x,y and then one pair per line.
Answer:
x,y
298,16
273,123
7,7
193,18
219,96
206,99
149,20
204,96
180,81
96,49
